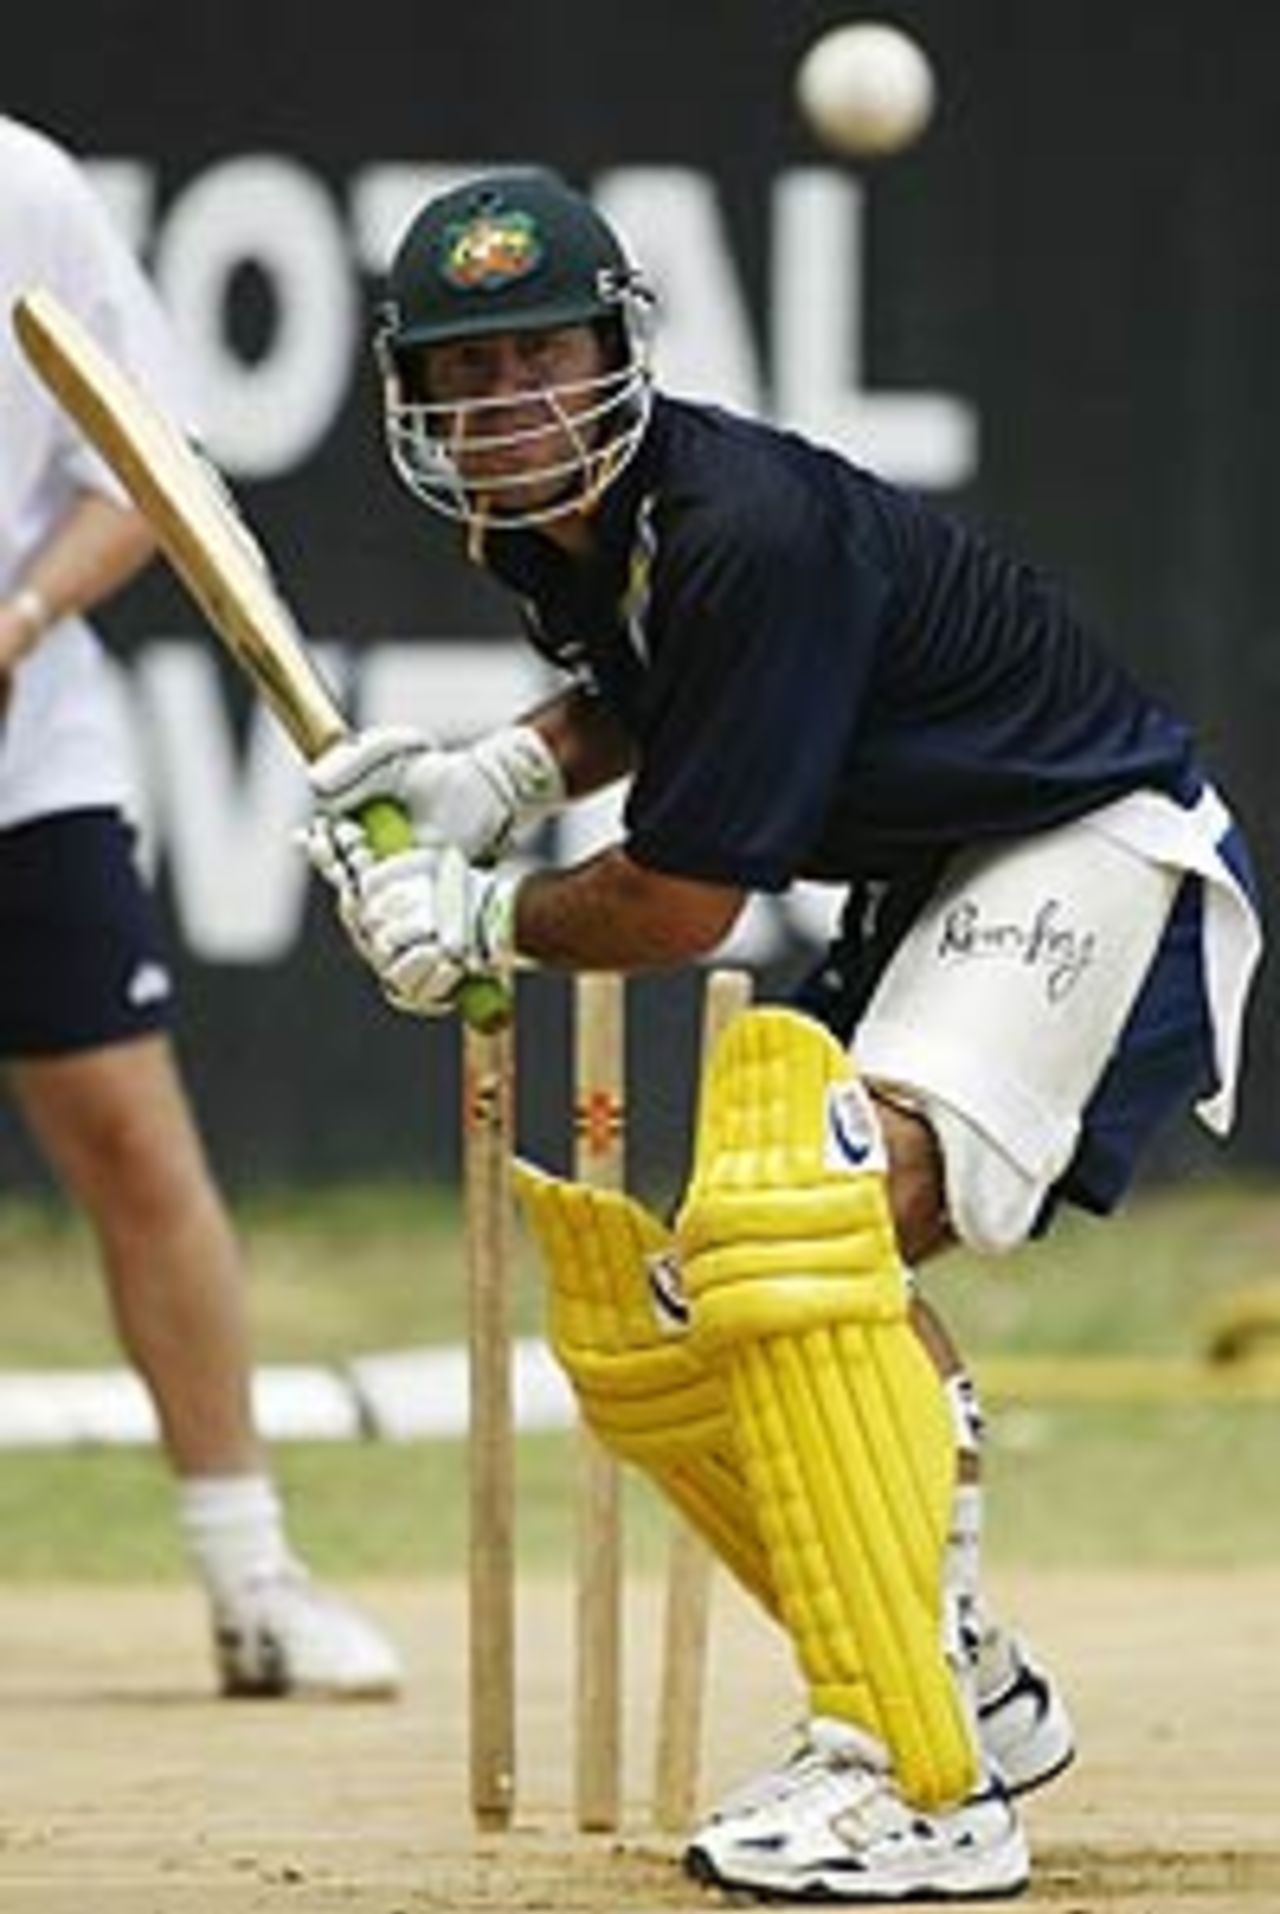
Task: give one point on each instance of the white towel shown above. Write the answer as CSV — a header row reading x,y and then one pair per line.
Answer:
x,y
1191,840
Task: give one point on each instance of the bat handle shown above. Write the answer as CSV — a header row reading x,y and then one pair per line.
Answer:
x,y
484,1003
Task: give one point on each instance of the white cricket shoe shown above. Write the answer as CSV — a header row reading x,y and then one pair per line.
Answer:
x,y
1024,1729
281,1635
842,1832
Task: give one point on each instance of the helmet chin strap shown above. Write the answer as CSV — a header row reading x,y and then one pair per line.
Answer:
x,y
477,522
474,505
581,492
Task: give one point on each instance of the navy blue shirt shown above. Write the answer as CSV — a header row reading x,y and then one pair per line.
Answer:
x,y
825,677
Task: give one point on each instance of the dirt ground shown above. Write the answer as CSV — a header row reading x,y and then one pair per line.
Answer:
x,y
125,1787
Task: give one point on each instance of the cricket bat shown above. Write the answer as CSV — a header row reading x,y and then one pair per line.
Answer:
x,y
200,530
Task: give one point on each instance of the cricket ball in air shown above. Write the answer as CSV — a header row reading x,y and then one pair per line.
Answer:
x,y
866,89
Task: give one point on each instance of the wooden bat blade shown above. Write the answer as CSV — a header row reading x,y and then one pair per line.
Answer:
x,y
201,532
191,512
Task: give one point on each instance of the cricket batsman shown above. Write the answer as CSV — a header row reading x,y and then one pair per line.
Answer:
x,y
1047,941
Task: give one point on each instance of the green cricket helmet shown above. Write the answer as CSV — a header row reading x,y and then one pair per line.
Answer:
x,y
513,252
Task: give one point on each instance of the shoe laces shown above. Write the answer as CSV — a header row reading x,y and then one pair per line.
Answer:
x,y
819,1747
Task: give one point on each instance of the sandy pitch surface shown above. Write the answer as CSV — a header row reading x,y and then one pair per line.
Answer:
x,y
126,1789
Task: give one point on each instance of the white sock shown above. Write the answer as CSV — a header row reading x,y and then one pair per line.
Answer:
x,y
233,1526
964,1548
962,1596
962,1575
961,1393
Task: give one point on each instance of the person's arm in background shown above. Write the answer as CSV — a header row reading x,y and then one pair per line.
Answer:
x,y
96,548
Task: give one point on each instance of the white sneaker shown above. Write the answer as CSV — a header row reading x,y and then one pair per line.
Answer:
x,y
283,1636
1024,1731
1023,1724
842,1832
802,1756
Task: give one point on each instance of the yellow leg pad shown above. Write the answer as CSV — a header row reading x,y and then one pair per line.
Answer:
x,y
639,1384
799,1300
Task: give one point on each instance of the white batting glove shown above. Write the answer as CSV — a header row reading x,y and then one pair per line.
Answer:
x,y
431,919
422,920
477,796
340,853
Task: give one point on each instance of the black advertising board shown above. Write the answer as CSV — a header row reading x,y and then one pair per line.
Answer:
x,y
1057,314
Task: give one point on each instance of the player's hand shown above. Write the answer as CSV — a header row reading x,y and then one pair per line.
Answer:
x,y
476,797
340,853
428,919
423,920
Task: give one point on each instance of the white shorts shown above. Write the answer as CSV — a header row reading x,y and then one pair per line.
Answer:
x,y
1046,1011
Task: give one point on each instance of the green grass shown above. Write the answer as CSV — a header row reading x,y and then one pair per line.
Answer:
x,y
355,1270
1147,1282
